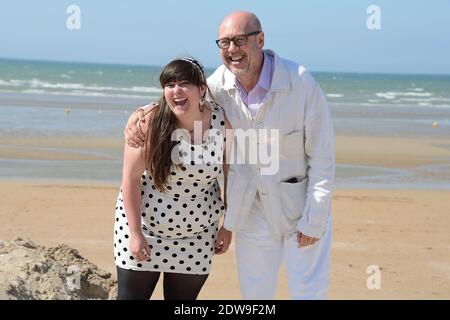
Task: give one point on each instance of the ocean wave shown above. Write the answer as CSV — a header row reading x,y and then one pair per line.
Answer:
x,y
334,95
426,100
12,83
34,91
145,89
388,104
390,95
37,84
81,93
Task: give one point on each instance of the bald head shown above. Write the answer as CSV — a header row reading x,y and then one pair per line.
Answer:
x,y
243,20
244,59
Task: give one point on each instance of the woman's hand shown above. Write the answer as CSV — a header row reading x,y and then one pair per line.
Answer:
x,y
139,247
223,240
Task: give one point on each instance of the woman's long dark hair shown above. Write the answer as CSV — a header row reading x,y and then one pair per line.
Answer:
x,y
163,121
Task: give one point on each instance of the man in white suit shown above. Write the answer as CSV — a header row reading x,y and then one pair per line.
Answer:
x,y
283,217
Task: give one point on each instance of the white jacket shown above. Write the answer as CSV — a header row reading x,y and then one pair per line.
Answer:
x,y
296,105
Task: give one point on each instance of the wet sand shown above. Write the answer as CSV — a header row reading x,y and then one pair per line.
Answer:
x,y
403,231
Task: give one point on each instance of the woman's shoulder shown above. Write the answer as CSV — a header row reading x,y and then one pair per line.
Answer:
x,y
219,112
215,108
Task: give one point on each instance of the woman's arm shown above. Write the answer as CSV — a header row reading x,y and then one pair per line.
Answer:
x,y
133,168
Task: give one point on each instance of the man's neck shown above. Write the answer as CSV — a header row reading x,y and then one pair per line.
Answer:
x,y
250,81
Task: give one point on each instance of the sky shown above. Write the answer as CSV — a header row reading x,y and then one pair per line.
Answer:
x,y
321,35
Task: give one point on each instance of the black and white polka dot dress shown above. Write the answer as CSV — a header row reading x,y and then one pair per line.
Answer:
x,y
181,224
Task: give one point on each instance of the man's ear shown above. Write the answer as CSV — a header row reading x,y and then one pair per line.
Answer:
x,y
261,40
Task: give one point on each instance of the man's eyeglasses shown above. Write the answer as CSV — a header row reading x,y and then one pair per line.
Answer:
x,y
240,40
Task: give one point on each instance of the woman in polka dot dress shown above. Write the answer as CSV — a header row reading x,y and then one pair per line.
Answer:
x,y
169,206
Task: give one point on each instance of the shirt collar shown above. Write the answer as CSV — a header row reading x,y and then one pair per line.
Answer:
x,y
265,77
278,82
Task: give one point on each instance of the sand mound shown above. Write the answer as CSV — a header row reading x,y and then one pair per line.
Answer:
x,y
32,272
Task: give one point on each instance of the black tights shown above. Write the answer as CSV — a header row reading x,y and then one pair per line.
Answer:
x,y
139,285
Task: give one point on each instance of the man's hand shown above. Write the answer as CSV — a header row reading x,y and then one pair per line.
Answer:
x,y
134,137
304,240
223,241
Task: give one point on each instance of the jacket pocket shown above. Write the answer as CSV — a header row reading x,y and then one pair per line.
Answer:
x,y
292,144
293,196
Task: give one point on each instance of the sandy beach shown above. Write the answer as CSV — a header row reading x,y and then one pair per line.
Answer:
x,y
71,76
405,232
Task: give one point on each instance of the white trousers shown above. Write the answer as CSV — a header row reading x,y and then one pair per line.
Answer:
x,y
260,255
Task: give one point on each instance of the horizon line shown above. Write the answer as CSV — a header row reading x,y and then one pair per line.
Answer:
x,y
209,67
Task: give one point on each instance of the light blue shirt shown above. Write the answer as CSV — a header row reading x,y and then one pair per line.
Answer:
x,y
255,97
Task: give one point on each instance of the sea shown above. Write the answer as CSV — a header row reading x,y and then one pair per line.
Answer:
x,y
61,100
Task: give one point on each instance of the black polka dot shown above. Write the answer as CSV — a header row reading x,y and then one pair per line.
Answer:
x,y
193,247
